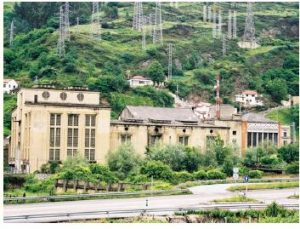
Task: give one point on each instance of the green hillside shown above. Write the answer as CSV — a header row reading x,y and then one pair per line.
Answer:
x,y
103,65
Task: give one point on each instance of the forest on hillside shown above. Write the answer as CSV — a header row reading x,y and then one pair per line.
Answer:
x,y
104,65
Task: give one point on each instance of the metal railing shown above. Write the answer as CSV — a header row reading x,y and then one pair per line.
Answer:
x,y
90,195
123,213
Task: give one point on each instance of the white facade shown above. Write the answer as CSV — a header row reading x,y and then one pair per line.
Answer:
x,y
249,98
138,81
9,85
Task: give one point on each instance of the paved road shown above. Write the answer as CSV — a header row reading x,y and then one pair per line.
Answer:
x,y
201,195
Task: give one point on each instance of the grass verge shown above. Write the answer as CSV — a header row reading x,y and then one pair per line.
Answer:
x,y
235,199
274,185
293,197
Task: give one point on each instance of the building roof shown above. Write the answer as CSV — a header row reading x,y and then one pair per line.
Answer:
x,y
139,78
254,117
162,114
249,92
8,80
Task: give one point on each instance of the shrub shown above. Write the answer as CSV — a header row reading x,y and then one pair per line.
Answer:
x,y
275,210
102,173
182,176
200,175
215,174
157,170
289,153
124,160
255,174
178,157
293,168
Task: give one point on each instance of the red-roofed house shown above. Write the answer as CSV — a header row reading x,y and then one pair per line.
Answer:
x,y
249,98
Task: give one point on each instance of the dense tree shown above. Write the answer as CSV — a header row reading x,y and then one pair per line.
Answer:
x,y
108,84
123,161
157,170
277,88
289,153
178,157
160,98
156,72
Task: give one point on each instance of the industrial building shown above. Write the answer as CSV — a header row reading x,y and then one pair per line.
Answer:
x,y
50,124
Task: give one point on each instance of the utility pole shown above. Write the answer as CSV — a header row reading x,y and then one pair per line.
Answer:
x,y
220,24
137,22
67,21
229,32
77,21
204,12
95,22
214,15
234,25
11,34
218,100
144,33
170,63
61,33
209,13
224,48
157,31
249,32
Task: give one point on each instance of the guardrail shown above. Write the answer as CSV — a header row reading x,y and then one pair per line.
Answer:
x,y
89,195
149,192
123,213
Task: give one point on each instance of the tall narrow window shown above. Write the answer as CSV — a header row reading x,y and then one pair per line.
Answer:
x,y
72,141
90,133
184,140
125,138
54,144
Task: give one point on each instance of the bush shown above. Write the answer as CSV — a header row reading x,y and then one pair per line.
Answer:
x,y
157,170
289,153
182,176
124,160
102,173
178,157
200,175
215,174
255,174
293,168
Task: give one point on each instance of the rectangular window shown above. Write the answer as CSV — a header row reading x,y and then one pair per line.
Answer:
x,y
254,139
234,132
260,135
125,138
54,141
72,138
284,134
153,139
184,140
249,143
275,138
210,141
90,136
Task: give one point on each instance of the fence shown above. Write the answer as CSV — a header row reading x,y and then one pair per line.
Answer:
x,y
122,213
